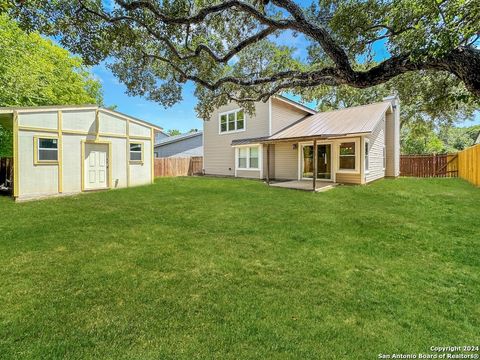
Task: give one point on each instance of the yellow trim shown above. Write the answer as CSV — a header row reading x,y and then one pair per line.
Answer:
x,y
30,128
82,165
142,146
97,124
16,189
140,137
110,180
152,160
121,136
127,148
80,132
36,161
60,152
77,132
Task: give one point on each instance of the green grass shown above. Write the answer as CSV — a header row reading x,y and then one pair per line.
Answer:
x,y
231,269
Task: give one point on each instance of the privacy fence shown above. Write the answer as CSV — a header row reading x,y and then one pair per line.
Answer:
x,y
469,164
464,164
172,166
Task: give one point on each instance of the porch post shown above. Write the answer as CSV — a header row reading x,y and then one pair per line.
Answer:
x,y
315,161
268,163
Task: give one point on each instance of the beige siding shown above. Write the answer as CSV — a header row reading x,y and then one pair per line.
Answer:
x,y
44,120
284,114
79,120
119,162
392,141
72,168
140,173
250,174
376,141
111,124
346,178
34,180
286,161
219,155
139,130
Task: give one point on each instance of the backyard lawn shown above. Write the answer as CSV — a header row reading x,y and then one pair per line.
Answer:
x,y
195,268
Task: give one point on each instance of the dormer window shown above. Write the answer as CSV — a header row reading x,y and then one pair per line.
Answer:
x,y
232,121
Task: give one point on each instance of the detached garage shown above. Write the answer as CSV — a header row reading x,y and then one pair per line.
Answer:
x,y
70,149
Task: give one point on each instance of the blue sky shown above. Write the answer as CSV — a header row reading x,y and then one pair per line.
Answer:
x,y
182,115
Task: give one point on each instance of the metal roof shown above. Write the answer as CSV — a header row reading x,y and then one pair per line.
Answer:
x,y
249,141
175,138
353,120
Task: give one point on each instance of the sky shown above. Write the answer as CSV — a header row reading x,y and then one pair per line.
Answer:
x,y
182,115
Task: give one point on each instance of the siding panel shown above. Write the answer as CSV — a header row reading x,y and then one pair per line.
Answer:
x,y
219,155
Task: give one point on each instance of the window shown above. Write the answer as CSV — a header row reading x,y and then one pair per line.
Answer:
x,y
46,150
232,121
242,157
136,152
248,158
366,155
347,156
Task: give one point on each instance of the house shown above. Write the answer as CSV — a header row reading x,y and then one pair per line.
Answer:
x,y
160,135
183,145
71,149
285,140
478,139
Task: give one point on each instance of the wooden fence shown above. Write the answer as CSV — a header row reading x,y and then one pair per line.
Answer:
x,y
178,166
6,173
469,164
444,165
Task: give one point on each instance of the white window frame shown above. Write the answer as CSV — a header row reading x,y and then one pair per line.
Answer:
x,y
357,149
260,159
365,156
248,158
130,152
232,131
37,148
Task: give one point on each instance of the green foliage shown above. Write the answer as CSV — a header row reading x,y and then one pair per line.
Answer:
x,y
173,132
422,139
429,98
154,53
233,269
34,72
6,142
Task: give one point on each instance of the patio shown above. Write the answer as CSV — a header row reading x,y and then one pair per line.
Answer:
x,y
306,185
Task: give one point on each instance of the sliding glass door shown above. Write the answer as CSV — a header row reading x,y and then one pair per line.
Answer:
x,y
324,161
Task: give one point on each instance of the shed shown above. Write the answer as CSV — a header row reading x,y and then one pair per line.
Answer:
x,y
71,149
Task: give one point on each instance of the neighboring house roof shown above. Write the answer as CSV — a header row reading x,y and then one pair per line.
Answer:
x,y
354,120
7,110
177,138
478,138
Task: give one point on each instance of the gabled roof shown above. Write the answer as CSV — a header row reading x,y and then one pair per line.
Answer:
x,y
295,104
353,120
177,138
8,110
478,138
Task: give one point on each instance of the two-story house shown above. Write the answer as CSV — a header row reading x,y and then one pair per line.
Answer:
x,y
285,140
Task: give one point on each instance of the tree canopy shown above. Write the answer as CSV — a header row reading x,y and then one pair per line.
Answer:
x,y
230,50
34,71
